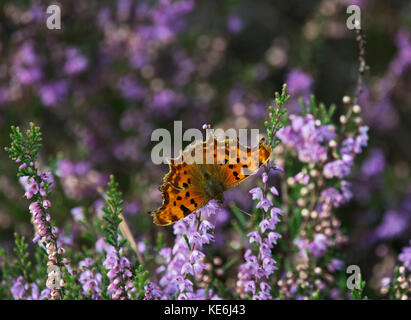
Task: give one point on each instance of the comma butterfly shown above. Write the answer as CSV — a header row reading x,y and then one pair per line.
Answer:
x,y
189,185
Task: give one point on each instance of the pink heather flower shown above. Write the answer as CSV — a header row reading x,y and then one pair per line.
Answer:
x,y
257,193
302,178
385,282
272,238
166,254
46,204
274,191
43,192
254,237
152,291
250,287
22,166
47,176
275,211
187,268
77,213
180,260
264,225
265,204
405,257
32,188
86,263
19,288
35,208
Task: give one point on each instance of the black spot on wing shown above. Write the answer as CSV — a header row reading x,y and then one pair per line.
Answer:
x,y
185,210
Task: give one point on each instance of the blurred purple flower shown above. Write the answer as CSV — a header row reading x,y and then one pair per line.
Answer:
x,y
75,61
405,257
374,164
235,24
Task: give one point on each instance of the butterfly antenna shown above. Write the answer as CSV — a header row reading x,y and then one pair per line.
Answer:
x,y
245,212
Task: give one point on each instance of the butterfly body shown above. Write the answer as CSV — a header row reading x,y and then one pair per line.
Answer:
x,y
189,186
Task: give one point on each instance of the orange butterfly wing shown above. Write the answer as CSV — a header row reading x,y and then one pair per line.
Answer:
x,y
180,196
182,188
244,162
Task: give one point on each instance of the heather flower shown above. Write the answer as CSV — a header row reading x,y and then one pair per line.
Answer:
x,y
182,260
75,62
374,164
234,24
405,257
19,288
91,282
119,274
393,224
309,140
257,193
77,213
262,265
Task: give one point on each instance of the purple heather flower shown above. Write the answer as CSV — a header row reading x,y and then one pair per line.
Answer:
x,y
32,187
51,94
234,24
274,191
309,140
77,213
335,265
19,288
405,257
86,263
298,82
374,164
265,204
254,236
331,195
118,269
302,178
402,59
257,193
316,248
153,292
337,168
393,224
255,268
181,260
75,61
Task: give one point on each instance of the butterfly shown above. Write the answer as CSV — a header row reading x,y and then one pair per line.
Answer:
x,y
189,185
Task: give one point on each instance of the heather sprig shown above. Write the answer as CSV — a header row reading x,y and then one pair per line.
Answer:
x,y
112,214
24,150
255,273
358,293
118,266
277,116
398,287
182,273
23,264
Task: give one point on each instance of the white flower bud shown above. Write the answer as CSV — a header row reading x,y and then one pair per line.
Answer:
x,y
305,212
356,109
346,100
332,143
